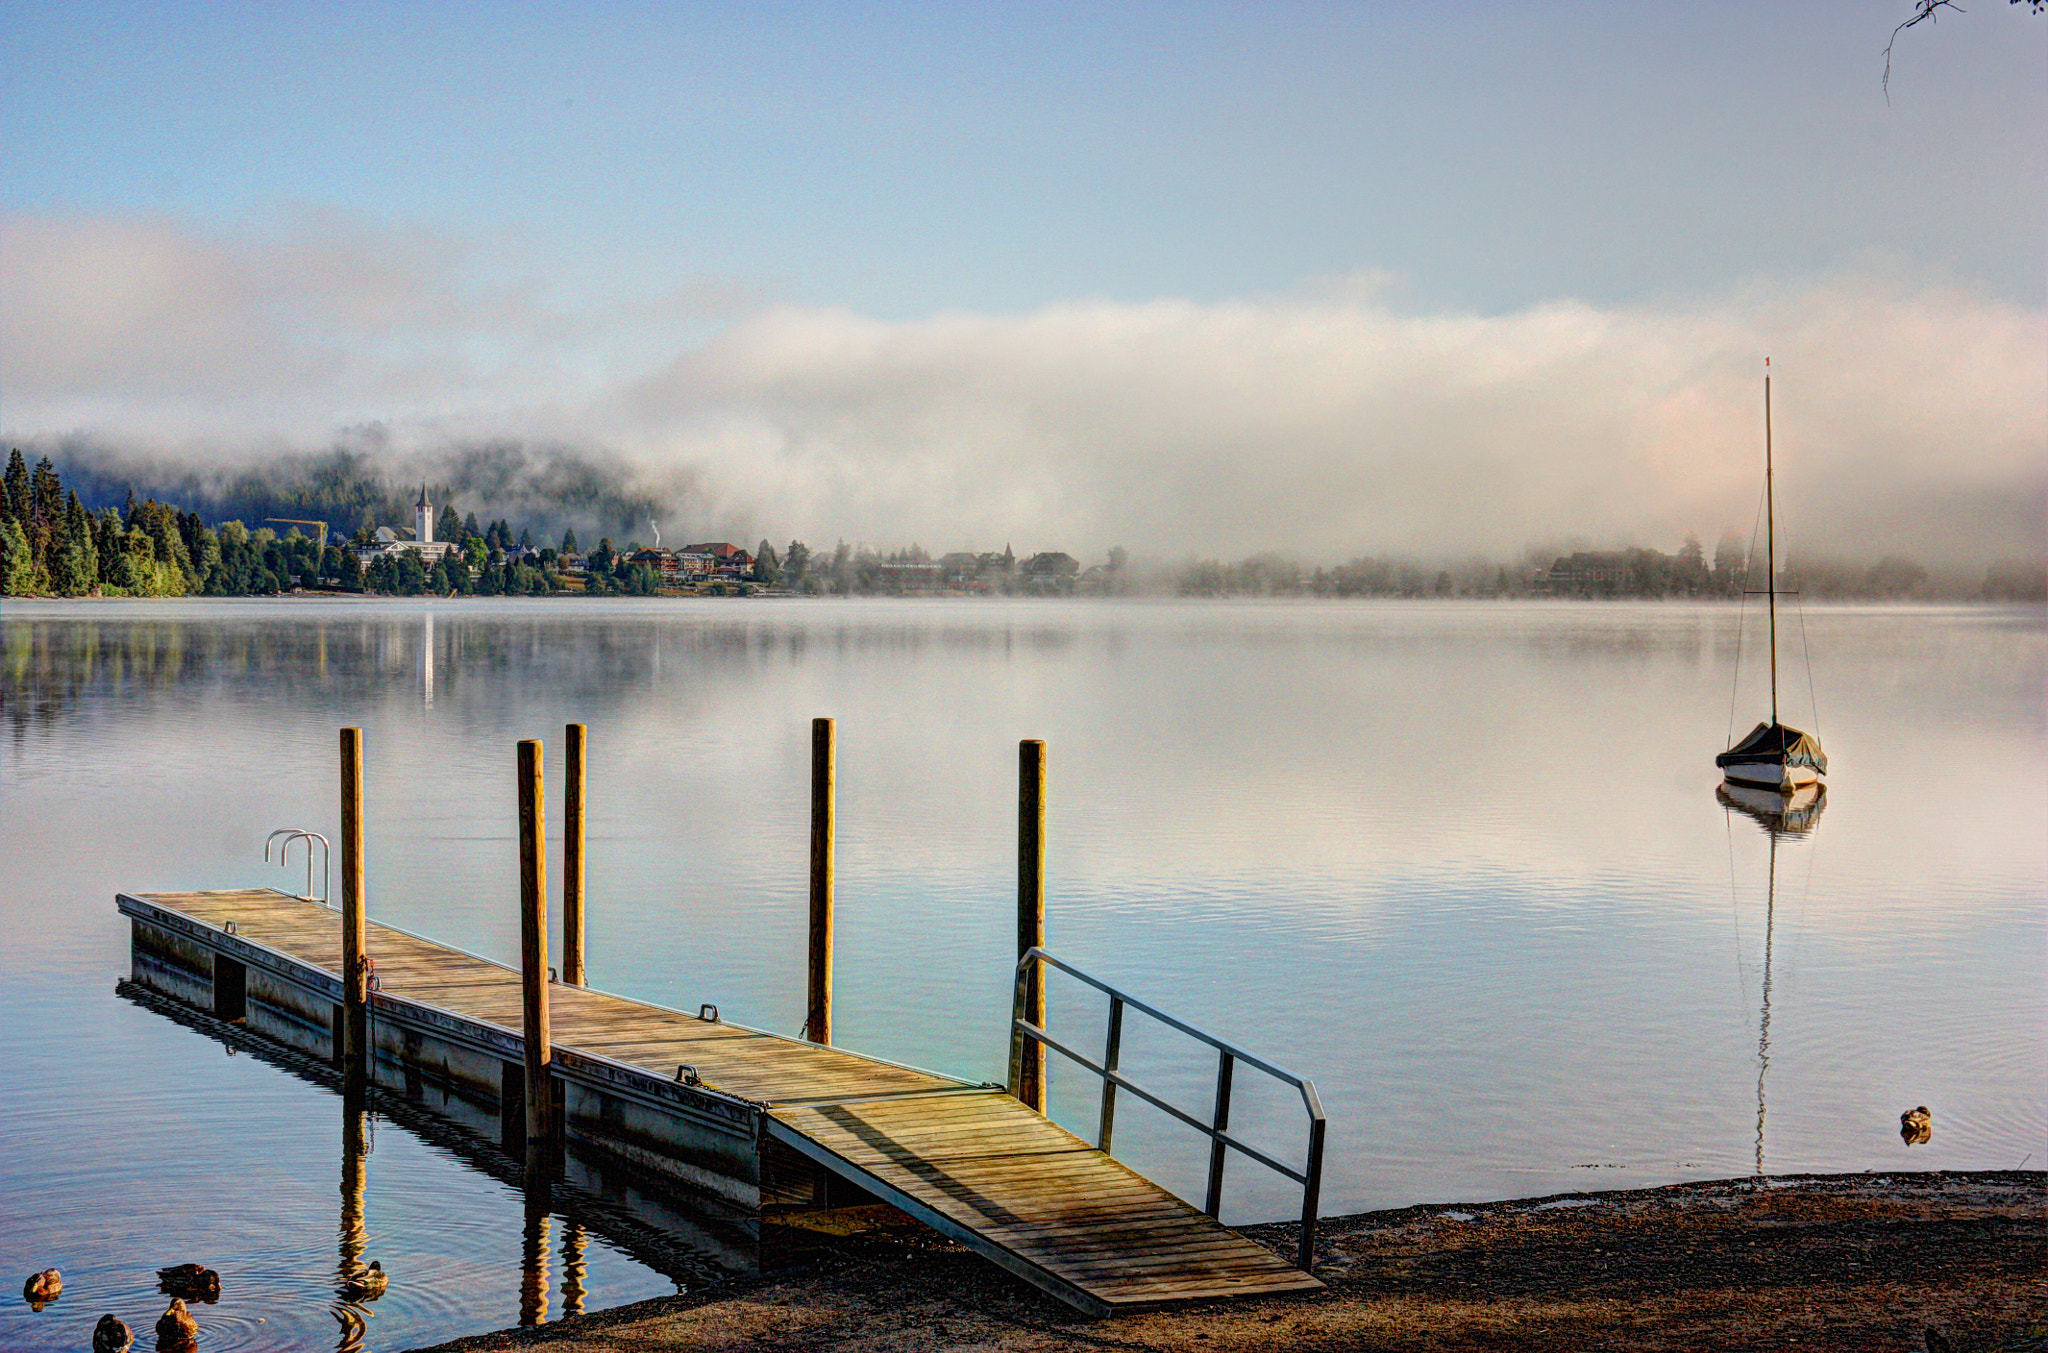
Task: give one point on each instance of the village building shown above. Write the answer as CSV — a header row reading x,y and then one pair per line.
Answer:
x,y
727,559
391,540
1588,571
1048,574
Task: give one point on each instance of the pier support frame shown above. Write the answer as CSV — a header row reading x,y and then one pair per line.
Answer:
x,y
1031,909
533,952
824,784
355,958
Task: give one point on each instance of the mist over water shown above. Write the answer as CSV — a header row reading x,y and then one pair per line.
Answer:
x,y
1462,864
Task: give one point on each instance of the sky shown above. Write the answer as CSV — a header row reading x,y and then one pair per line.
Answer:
x,y
1192,278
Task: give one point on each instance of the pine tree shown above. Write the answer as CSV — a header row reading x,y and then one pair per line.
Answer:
x,y
569,541
76,569
17,569
448,526
14,489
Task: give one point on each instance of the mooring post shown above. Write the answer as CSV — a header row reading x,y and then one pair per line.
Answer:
x,y
355,958
824,777
533,951
573,774
1031,911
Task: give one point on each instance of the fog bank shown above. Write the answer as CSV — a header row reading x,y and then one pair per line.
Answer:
x,y
1910,418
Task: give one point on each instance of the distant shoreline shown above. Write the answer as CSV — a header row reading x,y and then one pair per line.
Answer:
x,y
1830,603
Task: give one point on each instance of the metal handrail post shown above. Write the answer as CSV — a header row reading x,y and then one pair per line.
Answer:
x,y
1311,1194
1219,1121
1310,1177
1016,1081
1112,1049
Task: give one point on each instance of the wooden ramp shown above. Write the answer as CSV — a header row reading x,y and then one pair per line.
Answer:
x,y
968,1160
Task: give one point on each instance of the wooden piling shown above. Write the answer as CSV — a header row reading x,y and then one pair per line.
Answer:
x,y
574,774
533,950
1031,910
824,779
355,959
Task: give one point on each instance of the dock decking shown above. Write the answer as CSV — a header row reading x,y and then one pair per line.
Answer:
x,y
969,1160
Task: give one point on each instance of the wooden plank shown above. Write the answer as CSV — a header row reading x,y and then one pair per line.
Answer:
x,y
976,1164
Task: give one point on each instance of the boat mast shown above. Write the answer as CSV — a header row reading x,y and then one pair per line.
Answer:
x,y
1770,544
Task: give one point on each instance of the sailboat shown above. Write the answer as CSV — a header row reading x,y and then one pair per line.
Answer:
x,y
1773,756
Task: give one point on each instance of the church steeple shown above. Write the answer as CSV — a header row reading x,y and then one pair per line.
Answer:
x,y
423,512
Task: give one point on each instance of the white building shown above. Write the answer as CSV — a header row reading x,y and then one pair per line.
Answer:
x,y
388,541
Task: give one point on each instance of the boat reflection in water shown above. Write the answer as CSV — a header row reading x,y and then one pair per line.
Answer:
x,y
1780,814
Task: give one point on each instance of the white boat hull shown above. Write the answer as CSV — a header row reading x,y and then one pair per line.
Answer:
x,y
1781,778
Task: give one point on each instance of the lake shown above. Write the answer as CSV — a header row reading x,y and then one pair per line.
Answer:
x,y
1462,863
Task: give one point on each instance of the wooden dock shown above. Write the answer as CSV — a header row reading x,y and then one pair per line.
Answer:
x,y
755,1119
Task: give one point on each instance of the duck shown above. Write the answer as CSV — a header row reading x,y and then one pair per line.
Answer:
x,y
1916,1126
112,1335
365,1284
176,1328
193,1282
42,1288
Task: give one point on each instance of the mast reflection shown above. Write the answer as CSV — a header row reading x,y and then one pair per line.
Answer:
x,y
1779,815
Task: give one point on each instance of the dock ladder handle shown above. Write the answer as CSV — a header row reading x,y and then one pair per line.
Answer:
x,y
291,834
1228,1056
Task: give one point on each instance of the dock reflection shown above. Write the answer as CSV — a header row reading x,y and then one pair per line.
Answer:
x,y
631,1217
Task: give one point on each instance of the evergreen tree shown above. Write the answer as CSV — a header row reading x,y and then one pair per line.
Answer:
x,y
767,568
350,572
77,567
448,526
569,542
470,528
17,569
525,540
14,490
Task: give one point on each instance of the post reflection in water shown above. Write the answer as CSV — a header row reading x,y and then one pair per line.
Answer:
x,y
354,1232
574,1238
533,1257
1779,815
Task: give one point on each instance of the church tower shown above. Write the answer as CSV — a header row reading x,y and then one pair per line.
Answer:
x,y
423,530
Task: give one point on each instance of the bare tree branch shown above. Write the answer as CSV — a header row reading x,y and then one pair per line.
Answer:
x,y
1923,9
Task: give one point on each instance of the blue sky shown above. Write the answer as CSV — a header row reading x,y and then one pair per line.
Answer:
x,y
519,216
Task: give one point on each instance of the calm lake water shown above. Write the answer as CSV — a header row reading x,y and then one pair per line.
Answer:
x,y
1463,864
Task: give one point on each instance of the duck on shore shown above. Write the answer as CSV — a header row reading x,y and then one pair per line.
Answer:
x,y
365,1284
42,1288
176,1328
112,1335
193,1282
1916,1126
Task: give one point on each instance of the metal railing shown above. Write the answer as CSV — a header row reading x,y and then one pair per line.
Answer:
x,y
291,834
1221,1142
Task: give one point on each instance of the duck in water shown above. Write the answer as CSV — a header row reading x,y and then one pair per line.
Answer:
x,y
365,1284
42,1288
193,1282
1916,1126
176,1328
112,1335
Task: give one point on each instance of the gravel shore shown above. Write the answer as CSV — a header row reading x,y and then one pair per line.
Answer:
x,y
1842,1262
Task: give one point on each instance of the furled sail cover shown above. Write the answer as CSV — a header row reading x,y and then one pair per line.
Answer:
x,y
1773,744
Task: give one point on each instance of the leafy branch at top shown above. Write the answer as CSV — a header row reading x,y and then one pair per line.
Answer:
x,y
1925,9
